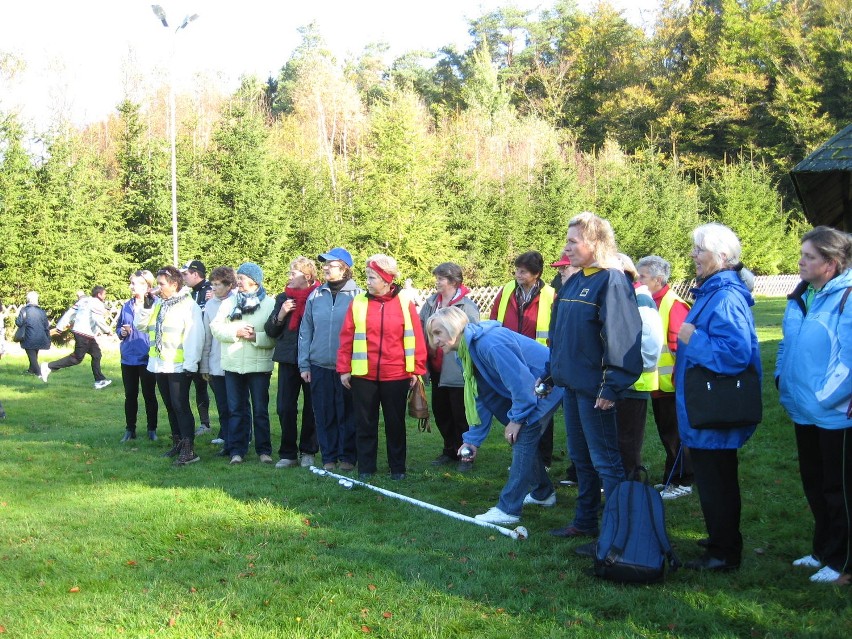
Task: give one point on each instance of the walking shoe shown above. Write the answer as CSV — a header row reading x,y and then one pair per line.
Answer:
x,y
347,467
570,476
573,531
808,561
329,466
397,476
464,466
175,449
567,482
218,441
442,460
202,430
287,463
128,435
307,461
152,435
496,516
187,453
45,372
676,492
586,550
236,459
708,563
547,502
826,575
102,384
265,459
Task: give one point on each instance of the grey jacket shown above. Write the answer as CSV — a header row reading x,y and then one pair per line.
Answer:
x,y
451,372
319,333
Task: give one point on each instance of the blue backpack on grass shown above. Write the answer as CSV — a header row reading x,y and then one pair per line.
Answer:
x,y
633,546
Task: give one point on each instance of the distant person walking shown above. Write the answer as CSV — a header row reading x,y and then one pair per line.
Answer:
x,y
36,332
87,319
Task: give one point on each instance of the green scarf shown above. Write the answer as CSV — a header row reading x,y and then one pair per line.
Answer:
x,y
470,388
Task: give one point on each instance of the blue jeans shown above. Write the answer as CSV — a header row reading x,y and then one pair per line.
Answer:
x,y
593,446
527,474
335,419
248,402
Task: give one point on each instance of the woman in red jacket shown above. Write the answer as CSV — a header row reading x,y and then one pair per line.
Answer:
x,y
381,352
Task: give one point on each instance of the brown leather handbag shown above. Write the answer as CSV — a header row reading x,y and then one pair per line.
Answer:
x,y
418,405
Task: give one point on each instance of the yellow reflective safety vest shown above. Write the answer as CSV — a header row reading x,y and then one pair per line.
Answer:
x,y
665,365
172,338
359,342
545,305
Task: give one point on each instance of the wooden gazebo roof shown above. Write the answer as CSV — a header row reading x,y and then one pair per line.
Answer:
x,y
823,182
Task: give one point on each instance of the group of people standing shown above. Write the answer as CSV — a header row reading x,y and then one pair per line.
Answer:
x,y
599,341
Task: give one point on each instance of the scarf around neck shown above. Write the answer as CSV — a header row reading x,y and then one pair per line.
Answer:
x,y
471,389
300,296
248,303
165,307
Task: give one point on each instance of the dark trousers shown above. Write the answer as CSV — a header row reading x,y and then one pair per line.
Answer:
x,y
717,478
367,397
665,415
83,345
32,354
335,423
133,377
450,418
545,443
202,398
220,393
174,390
825,464
630,416
248,402
290,383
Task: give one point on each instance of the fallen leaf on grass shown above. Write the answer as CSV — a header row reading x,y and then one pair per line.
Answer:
x,y
2,629
371,587
365,628
172,622
74,589
306,521
193,589
387,615
130,562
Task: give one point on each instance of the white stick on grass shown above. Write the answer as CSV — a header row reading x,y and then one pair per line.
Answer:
x,y
347,482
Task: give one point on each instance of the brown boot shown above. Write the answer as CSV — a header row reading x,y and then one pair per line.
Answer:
x,y
175,449
187,453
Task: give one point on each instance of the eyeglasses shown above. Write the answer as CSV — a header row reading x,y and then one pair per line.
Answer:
x,y
332,265
697,250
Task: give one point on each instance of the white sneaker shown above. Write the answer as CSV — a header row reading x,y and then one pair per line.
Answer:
x,y
546,502
236,459
45,372
497,516
826,575
675,492
286,463
202,430
808,561
217,441
307,461
102,384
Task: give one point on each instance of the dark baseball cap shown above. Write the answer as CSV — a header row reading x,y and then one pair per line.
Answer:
x,y
195,265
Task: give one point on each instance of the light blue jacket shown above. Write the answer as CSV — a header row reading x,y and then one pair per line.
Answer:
x,y
815,356
506,367
725,342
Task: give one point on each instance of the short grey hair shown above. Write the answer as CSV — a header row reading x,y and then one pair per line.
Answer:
x,y
451,318
720,241
32,298
657,267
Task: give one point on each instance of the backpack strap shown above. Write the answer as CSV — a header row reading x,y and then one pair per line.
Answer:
x,y
844,298
662,538
616,548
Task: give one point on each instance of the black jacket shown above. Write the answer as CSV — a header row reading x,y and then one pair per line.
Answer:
x,y
38,328
286,341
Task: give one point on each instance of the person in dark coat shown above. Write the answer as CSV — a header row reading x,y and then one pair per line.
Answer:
x,y
37,331
283,325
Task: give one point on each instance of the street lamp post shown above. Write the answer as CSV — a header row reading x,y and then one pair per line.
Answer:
x,y
161,16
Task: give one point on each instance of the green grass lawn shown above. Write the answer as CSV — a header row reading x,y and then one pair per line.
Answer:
x,y
103,539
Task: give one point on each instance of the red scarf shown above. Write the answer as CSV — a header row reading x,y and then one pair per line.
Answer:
x,y
300,295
